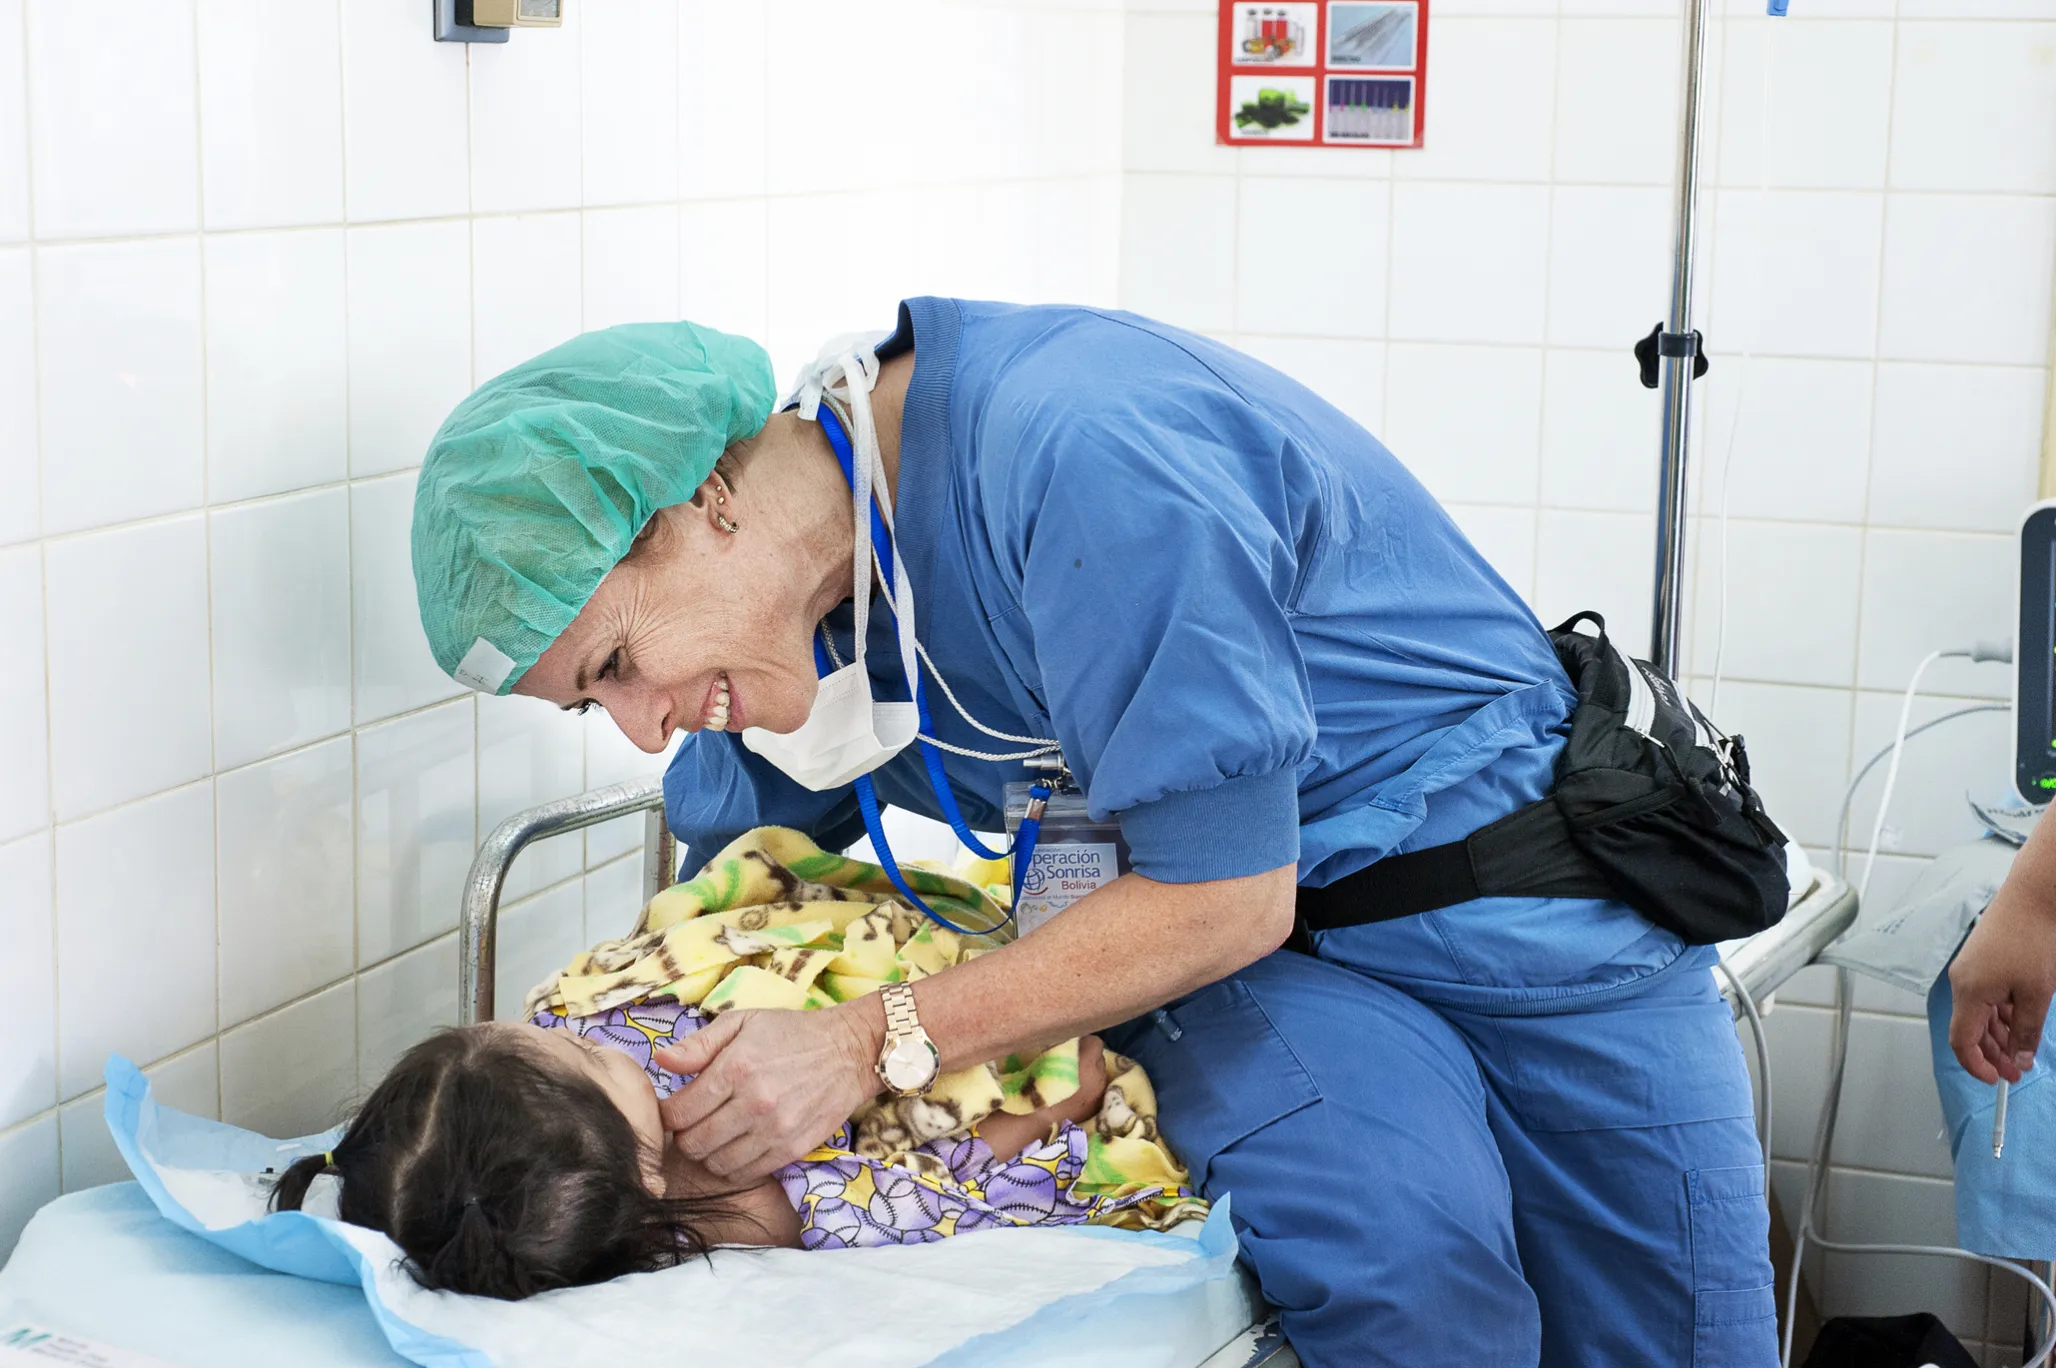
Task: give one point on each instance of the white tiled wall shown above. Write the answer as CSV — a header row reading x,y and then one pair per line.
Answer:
x,y
250,254
1884,253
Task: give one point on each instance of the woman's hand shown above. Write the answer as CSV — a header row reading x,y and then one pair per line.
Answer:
x,y
2002,981
769,1086
2003,976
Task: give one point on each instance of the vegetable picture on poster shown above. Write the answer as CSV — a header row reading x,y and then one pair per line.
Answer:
x,y
1276,108
1326,73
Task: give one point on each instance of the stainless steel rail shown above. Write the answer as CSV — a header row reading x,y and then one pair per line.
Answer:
x,y
1262,1345
482,887
1767,959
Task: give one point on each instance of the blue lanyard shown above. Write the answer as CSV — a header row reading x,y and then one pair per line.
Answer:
x,y
1023,851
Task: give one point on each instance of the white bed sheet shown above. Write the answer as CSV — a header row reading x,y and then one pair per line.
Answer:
x,y
105,1266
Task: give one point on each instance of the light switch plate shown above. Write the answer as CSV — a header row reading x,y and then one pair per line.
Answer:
x,y
453,24
518,13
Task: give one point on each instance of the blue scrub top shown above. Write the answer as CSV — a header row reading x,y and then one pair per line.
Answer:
x,y
1258,638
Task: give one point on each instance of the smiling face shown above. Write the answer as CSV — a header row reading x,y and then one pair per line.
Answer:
x,y
699,627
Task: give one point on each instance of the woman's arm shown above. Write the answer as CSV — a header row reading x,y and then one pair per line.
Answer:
x,y
2003,977
771,1084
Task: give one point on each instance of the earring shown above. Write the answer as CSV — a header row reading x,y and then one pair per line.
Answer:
x,y
730,528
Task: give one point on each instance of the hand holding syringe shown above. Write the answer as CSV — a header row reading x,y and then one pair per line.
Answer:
x,y
2003,977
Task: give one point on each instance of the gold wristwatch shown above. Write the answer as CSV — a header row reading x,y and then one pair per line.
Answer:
x,y
909,1061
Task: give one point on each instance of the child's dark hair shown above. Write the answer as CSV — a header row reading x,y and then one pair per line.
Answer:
x,y
499,1175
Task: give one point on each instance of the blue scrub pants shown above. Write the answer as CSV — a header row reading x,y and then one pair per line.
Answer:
x,y
1420,1185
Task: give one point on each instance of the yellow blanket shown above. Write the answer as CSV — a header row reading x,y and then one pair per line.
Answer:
x,y
775,921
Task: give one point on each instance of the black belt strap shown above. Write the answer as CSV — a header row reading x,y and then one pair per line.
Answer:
x,y
1396,886
1524,854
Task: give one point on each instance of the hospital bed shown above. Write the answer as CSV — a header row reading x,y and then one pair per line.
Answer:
x,y
1254,1344
1822,908
103,1265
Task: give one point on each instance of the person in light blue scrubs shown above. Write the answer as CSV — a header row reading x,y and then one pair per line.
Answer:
x,y
1512,1131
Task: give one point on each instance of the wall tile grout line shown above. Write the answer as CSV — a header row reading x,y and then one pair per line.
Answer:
x,y
815,197
410,472
1863,544
232,506
680,202
43,572
207,533
1708,185
30,1122
1624,353
1548,295
298,749
471,332
356,861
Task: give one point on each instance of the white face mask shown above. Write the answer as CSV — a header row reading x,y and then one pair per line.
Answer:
x,y
848,733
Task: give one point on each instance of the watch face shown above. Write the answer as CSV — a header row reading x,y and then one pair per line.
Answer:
x,y
910,1064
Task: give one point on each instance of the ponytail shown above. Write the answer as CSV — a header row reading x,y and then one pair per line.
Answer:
x,y
292,1186
478,1255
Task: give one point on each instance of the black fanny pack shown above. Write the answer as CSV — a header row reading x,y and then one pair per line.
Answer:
x,y
1652,806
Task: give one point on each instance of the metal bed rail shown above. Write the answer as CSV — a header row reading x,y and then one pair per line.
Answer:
x,y
1764,961
482,887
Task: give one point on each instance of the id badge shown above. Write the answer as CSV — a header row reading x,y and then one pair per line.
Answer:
x,y
1073,856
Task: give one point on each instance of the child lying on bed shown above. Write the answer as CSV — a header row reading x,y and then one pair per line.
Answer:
x,y
507,1159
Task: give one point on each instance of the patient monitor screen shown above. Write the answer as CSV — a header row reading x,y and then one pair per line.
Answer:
x,y
2035,686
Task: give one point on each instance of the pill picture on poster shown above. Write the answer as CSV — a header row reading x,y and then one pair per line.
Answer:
x,y
1323,73
1275,35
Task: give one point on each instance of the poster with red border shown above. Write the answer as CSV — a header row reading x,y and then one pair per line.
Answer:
x,y
1322,73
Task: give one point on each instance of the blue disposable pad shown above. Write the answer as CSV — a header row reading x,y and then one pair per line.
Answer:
x,y
1002,1297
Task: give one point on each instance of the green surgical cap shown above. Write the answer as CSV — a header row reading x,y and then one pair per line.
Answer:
x,y
537,485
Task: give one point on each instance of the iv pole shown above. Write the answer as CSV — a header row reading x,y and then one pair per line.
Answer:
x,y
1678,352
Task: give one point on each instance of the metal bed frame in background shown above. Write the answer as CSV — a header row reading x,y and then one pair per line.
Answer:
x,y
479,930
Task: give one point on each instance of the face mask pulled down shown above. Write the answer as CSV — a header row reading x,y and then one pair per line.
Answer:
x,y
848,733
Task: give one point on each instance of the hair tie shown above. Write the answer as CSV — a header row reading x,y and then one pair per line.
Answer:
x,y
328,1159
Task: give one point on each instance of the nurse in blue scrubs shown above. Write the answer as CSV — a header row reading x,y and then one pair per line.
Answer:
x,y
1511,1131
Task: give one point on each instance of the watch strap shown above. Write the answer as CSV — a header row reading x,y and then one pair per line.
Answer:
x,y
900,1017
